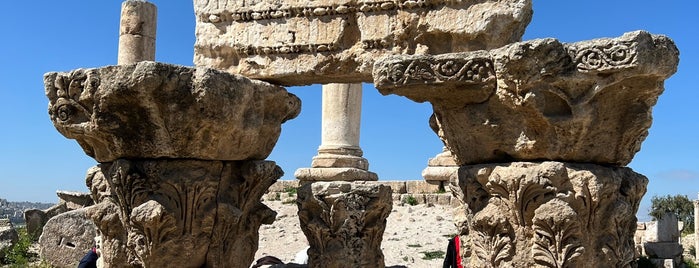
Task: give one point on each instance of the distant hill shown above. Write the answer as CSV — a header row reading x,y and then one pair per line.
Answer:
x,y
15,210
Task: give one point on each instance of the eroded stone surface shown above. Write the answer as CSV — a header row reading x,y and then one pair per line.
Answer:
x,y
156,110
337,41
67,237
344,222
8,236
193,213
580,102
549,214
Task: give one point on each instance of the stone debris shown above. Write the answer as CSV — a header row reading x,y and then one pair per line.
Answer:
x,y
8,236
66,238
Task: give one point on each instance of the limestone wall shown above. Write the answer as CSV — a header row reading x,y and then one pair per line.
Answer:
x,y
404,191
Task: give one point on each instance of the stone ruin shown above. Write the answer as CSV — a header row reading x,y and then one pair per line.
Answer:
x,y
536,134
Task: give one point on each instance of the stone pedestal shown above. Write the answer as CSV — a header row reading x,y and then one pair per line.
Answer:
x,y
181,151
344,223
548,214
339,155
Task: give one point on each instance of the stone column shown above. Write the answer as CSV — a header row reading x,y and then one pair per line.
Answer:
x,y
137,29
342,214
339,155
541,132
170,189
696,228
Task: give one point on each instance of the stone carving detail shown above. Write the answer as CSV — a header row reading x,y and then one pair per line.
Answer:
x,y
338,41
524,214
344,222
542,99
602,58
145,110
418,72
199,213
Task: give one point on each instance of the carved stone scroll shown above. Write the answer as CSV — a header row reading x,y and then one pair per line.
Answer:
x,y
588,102
547,214
344,222
337,41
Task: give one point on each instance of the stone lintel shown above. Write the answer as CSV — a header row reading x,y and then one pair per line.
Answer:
x,y
337,41
335,174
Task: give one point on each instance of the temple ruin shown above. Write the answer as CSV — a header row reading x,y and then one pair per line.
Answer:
x,y
537,134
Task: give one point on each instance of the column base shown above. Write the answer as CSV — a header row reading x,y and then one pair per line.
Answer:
x,y
344,223
335,174
339,161
441,168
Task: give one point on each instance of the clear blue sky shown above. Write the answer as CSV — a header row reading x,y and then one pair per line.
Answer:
x,y
39,37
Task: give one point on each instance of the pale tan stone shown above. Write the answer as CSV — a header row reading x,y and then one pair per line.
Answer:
x,y
157,110
344,223
397,187
191,213
422,187
137,30
66,238
435,174
548,214
588,102
8,236
337,41
334,174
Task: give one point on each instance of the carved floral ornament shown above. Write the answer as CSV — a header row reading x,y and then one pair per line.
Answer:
x,y
540,213
479,68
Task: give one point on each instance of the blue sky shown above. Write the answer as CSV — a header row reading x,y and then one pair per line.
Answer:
x,y
39,37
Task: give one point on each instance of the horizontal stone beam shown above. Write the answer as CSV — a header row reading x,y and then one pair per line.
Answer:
x,y
337,41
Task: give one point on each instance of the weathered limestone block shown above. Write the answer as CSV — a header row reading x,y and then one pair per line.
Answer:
x,y
75,200
66,238
337,41
344,222
585,102
548,214
8,236
191,213
157,110
35,219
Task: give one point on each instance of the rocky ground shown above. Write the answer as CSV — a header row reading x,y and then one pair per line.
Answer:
x,y
411,231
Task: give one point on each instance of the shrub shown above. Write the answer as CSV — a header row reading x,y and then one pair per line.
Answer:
x,y
18,255
410,200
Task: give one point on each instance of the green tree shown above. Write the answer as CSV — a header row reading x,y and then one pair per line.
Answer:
x,y
680,205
